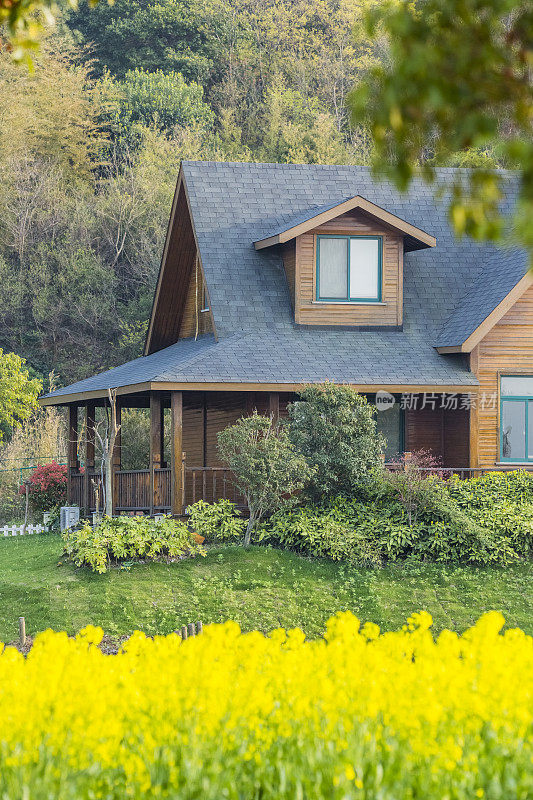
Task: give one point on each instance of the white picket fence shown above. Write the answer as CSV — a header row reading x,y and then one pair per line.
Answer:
x,y
18,530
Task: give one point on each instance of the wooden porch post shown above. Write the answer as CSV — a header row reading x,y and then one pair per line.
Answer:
x,y
156,447
117,459
273,405
90,414
72,451
176,448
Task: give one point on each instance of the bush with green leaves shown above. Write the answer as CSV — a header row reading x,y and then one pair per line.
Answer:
x,y
216,522
323,534
495,528
268,469
502,502
118,539
335,429
415,482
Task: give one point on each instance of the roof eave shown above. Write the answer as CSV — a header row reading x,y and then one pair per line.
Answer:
x,y
238,386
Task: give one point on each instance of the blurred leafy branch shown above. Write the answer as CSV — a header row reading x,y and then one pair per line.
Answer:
x,y
455,90
25,21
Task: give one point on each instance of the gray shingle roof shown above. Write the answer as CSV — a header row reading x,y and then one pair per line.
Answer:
x,y
448,290
501,271
310,213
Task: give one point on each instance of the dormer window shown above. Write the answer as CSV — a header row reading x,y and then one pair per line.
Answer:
x,y
348,269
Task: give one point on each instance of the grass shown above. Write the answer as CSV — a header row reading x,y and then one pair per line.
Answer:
x,y
260,588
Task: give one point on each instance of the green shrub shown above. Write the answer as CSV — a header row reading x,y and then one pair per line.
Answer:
x,y
484,490
502,502
268,469
446,528
322,534
119,539
334,428
219,521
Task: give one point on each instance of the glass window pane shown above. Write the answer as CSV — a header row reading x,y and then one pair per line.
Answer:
x,y
364,268
388,423
517,386
513,424
333,268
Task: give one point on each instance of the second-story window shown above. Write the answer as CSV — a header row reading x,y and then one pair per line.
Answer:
x,y
348,269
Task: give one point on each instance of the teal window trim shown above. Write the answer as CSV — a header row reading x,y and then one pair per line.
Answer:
x,y
525,399
349,299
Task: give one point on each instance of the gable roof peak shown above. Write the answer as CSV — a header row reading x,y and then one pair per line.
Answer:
x,y
414,238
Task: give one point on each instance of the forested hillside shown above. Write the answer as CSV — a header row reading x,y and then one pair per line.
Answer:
x,y
90,145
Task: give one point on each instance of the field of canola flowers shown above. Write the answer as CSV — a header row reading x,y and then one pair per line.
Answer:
x,y
357,714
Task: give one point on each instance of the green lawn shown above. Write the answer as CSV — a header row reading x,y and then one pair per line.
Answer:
x,y
259,588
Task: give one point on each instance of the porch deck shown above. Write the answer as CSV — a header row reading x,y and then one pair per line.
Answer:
x,y
187,467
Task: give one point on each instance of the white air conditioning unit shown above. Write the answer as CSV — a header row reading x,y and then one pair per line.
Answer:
x,y
69,517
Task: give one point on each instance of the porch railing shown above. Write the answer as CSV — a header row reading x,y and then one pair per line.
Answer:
x,y
133,487
132,490
209,484
464,472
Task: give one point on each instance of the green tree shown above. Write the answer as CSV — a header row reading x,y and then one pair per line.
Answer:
x,y
457,81
164,100
298,129
18,392
158,100
335,429
268,470
169,35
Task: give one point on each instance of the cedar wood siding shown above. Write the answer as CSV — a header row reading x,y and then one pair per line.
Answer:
x,y
288,254
445,432
175,279
507,349
211,412
309,312
194,302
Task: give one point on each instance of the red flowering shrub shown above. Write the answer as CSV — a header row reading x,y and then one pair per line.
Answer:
x,y
47,486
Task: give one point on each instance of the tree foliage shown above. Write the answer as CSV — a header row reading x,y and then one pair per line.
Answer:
x,y
18,392
335,430
456,88
23,22
268,470
92,138
151,35
161,101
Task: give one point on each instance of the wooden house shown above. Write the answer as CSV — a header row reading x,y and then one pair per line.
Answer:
x,y
274,276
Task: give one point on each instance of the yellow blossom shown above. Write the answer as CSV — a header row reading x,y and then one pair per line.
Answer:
x,y
231,715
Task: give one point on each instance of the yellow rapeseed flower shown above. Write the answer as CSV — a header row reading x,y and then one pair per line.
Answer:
x,y
230,715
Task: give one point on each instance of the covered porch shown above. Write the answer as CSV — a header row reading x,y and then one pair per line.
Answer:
x,y
182,463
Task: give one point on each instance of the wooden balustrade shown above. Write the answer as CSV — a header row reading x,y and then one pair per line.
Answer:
x,y
210,484
132,490
200,483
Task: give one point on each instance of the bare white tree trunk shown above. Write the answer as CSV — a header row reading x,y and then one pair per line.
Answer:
x,y
108,451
